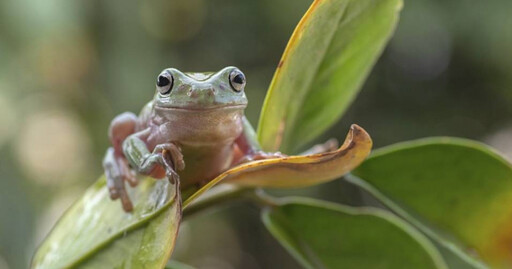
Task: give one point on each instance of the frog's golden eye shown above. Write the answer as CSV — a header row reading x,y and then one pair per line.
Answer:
x,y
164,83
237,80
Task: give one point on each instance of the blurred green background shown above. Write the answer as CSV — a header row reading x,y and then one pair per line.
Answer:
x,y
68,67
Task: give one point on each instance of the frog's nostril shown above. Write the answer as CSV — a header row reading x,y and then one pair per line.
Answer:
x,y
204,92
210,91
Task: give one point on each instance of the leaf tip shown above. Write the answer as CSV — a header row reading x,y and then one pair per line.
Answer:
x,y
358,135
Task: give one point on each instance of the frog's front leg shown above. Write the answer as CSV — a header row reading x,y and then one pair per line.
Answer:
x,y
164,160
116,167
166,155
250,148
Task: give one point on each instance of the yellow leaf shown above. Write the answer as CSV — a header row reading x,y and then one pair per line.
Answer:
x,y
298,171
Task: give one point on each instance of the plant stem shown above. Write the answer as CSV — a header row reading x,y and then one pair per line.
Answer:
x,y
217,195
262,199
227,193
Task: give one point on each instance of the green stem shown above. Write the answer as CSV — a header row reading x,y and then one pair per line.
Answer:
x,y
262,199
228,193
217,195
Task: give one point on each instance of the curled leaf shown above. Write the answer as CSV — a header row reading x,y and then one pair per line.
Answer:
x,y
298,171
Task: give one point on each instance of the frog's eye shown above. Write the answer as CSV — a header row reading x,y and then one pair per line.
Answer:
x,y
237,80
164,83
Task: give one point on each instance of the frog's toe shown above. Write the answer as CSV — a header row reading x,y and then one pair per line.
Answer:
x,y
173,152
114,184
177,158
172,176
116,175
125,201
261,155
171,165
131,179
116,189
111,173
128,174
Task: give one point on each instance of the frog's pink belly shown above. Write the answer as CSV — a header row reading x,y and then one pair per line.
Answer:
x,y
204,163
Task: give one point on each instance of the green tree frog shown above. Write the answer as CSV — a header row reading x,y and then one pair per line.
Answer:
x,y
195,125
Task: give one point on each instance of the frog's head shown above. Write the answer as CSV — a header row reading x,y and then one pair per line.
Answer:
x,y
200,91
207,107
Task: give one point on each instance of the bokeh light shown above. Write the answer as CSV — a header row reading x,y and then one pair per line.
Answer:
x,y
8,122
172,20
62,60
3,263
502,140
52,147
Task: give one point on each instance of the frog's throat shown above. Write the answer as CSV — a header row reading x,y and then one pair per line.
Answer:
x,y
204,108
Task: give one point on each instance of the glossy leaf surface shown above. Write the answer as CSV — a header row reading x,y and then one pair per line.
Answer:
x,y
325,235
454,186
454,256
325,63
298,171
96,233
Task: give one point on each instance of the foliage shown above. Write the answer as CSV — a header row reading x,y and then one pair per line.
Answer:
x,y
433,203
323,235
95,234
327,59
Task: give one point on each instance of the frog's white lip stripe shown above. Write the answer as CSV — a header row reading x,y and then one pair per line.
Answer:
x,y
226,107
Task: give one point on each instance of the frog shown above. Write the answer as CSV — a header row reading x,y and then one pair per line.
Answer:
x,y
192,130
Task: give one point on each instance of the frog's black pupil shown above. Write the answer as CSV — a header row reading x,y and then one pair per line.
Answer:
x,y
239,79
162,81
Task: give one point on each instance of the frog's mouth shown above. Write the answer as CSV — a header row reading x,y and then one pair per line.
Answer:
x,y
202,108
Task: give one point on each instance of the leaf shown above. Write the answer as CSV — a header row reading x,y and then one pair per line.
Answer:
x,y
298,171
96,233
325,63
455,186
325,235
455,258
453,254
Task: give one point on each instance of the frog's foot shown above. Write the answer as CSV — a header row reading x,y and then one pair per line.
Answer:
x,y
329,145
117,172
172,160
260,155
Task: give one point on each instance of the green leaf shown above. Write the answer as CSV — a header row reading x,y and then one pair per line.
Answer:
x,y
325,63
453,255
455,258
455,190
325,235
96,233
